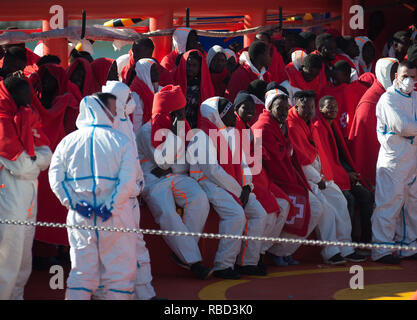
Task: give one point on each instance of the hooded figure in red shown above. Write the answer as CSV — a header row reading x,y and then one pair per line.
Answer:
x,y
347,95
31,59
193,76
82,82
101,68
55,103
20,128
363,142
220,76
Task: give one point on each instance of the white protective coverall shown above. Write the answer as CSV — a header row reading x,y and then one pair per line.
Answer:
x,y
143,287
94,164
394,219
143,72
18,201
337,225
218,185
164,193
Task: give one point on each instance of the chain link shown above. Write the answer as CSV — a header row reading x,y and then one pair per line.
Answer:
x,y
320,243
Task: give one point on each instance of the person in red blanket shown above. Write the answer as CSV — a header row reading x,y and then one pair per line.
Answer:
x,y
338,164
301,133
346,93
327,49
183,39
14,60
276,68
145,85
220,76
349,52
31,58
49,58
193,76
81,74
104,69
257,90
280,161
253,64
275,202
366,56
308,76
50,84
24,152
362,135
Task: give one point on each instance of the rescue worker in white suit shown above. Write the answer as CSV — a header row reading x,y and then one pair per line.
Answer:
x,y
125,105
91,173
229,189
167,183
18,190
394,220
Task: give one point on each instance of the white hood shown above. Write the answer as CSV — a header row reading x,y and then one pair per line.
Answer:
x,y
230,53
271,95
92,113
209,109
244,58
121,91
383,71
143,71
212,52
361,41
297,58
179,39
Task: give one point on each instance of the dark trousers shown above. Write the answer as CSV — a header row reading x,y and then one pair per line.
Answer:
x,y
359,196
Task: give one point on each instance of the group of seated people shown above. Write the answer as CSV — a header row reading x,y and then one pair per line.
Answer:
x,y
278,138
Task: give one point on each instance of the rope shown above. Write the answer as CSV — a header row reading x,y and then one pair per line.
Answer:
x,y
320,243
99,32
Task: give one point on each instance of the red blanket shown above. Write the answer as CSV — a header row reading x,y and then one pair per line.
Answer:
x,y
363,142
283,169
168,62
219,81
31,60
327,142
20,128
180,77
296,79
276,71
100,68
240,80
301,137
347,97
146,95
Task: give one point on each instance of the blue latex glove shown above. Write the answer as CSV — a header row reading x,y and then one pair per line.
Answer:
x,y
103,213
84,209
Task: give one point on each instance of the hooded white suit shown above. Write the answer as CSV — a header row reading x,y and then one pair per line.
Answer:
x,y
218,185
94,164
18,201
143,286
395,218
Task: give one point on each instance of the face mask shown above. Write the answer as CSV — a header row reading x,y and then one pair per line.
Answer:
x,y
130,106
115,119
406,86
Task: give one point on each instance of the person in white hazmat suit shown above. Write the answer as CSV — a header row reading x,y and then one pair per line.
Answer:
x,y
167,183
125,105
18,191
394,220
91,173
229,189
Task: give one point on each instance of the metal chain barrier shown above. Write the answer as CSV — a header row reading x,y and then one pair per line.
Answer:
x,y
211,235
